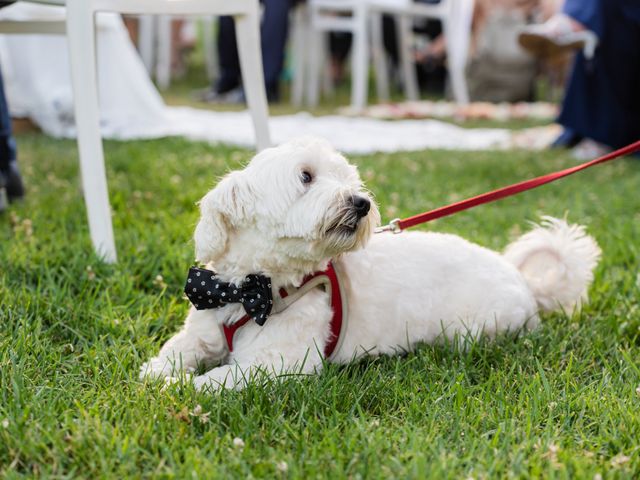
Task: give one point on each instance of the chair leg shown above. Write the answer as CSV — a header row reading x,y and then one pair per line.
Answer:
x,y
379,58
248,38
146,35
315,60
163,64
298,45
406,58
82,53
210,52
457,29
359,60
459,84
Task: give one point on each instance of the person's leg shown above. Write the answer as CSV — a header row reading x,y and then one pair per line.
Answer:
x,y
228,56
588,14
339,47
10,180
602,101
274,30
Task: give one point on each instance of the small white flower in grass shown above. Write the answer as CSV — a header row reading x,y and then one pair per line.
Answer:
x,y
90,273
597,476
159,282
552,455
5,423
203,417
375,423
27,227
619,460
282,466
238,442
638,391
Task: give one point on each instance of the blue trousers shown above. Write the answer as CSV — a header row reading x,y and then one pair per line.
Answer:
x,y
273,37
7,143
602,101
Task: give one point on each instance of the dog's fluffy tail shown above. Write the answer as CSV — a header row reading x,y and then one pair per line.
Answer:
x,y
557,261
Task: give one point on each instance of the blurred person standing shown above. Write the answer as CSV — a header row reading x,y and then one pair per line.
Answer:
x,y
273,34
601,108
11,187
499,70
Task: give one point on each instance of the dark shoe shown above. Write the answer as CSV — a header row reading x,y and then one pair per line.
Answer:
x,y
231,97
13,181
273,94
567,139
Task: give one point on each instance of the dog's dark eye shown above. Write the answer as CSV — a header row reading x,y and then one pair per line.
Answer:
x,y
306,177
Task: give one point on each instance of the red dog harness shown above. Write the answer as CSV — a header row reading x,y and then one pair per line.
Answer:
x,y
328,279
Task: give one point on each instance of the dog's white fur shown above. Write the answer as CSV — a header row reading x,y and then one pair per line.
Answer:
x,y
402,289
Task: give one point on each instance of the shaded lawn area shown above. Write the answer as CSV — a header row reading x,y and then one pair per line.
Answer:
x,y
559,402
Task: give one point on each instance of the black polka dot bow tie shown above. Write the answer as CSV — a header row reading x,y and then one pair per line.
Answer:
x,y
205,290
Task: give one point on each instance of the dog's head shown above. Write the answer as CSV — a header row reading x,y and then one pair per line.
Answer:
x,y
293,207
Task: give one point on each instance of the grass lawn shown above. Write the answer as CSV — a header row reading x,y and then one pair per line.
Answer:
x,y
560,402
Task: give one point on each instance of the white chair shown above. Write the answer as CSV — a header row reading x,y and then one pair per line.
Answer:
x,y
80,30
363,19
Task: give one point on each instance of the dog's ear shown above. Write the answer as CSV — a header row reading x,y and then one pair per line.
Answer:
x,y
220,209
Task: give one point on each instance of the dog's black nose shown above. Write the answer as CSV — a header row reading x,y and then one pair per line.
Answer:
x,y
361,205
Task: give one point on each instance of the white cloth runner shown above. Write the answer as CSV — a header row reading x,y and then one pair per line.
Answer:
x,y
36,71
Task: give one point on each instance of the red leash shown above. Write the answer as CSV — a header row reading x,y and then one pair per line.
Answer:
x,y
398,225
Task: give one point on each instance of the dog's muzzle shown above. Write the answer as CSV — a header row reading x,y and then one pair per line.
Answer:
x,y
354,209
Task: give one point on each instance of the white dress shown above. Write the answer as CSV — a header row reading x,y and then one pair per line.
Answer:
x,y
38,86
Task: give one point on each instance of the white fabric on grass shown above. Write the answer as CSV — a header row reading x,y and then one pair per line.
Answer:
x,y
37,80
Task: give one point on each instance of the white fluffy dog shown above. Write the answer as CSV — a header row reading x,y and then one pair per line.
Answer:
x,y
299,205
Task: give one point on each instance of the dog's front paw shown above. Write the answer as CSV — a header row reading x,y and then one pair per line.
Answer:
x,y
181,380
204,382
157,368
153,370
